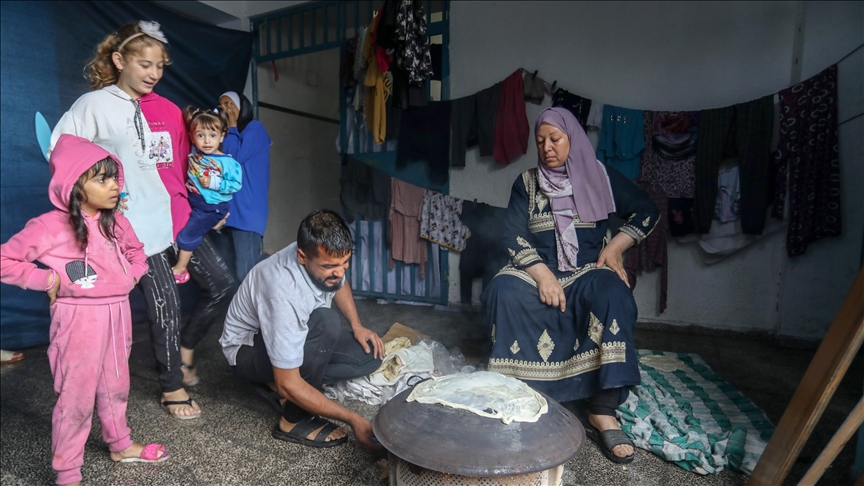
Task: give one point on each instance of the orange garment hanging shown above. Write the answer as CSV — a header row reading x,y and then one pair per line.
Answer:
x,y
378,87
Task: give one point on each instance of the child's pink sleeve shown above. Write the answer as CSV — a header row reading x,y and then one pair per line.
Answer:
x,y
18,254
131,247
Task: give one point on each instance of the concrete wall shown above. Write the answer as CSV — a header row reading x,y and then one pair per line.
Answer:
x,y
304,163
814,285
678,56
643,55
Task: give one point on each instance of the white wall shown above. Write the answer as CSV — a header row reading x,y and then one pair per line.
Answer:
x,y
676,56
304,163
814,285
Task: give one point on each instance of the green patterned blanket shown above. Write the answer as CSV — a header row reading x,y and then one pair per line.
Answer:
x,y
686,414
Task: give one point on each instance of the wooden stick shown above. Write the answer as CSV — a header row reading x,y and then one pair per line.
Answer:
x,y
832,359
844,433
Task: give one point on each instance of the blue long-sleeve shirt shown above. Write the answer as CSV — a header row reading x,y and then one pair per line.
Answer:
x,y
251,149
226,176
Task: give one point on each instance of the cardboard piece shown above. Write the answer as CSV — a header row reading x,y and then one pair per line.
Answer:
x,y
398,330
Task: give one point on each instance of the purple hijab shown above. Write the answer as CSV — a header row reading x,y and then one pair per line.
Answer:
x,y
580,187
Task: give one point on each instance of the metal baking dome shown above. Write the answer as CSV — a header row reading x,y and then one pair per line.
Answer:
x,y
457,441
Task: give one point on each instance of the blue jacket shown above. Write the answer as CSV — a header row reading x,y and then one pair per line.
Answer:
x,y
226,177
251,148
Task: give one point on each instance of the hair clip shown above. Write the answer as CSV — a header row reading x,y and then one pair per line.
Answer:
x,y
152,30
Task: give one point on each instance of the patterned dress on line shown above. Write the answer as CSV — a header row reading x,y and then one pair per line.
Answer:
x,y
573,354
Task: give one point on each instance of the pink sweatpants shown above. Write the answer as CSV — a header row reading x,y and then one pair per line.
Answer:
x,y
88,356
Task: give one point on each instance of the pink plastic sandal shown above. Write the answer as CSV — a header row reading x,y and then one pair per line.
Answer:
x,y
150,453
181,278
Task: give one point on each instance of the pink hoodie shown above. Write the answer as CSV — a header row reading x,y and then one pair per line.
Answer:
x,y
106,271
166,121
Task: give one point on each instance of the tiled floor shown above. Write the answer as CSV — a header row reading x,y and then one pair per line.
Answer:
x,y
231,443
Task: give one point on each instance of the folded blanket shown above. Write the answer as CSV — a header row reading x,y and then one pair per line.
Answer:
x,y
686,414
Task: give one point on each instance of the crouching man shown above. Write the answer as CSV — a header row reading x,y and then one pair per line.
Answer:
x,y
280,331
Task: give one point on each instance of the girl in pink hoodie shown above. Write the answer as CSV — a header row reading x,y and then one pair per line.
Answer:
x,y
93,261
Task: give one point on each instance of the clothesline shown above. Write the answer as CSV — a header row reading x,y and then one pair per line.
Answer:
x,y
552,88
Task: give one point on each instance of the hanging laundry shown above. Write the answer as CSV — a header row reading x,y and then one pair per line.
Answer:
x,y
413,52
440,222
622,138
651,253
807,154
725,239
487,114
595,115
534,88
742,131
437,54
728,194
484,254
406,208
463,117
364,190
424,135
378,87
386,37
405,94
511,122
472,122
346,66
668,160
579,106
680,218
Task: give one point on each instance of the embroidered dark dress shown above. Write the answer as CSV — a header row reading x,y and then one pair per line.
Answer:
x,y
573,354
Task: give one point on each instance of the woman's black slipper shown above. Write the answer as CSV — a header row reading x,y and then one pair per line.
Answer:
x,y
304,427
608,440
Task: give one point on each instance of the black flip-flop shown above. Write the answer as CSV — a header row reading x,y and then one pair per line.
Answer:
x,y
608,440
271,397
298,434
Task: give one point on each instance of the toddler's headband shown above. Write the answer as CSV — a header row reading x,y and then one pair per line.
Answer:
x,y
150,29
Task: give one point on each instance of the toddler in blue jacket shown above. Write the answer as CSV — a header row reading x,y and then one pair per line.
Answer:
x,y
213,178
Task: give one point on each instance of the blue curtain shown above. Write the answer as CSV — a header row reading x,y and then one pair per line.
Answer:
x,y
44,47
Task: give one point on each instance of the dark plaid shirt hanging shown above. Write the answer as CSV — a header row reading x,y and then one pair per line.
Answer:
x,y
807,154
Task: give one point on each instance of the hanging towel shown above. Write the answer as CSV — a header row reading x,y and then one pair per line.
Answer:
x,y
406,207
622,138
595,115
807,153
743,130
511,123
668,160
424,135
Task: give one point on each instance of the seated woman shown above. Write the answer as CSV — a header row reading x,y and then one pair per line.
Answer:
x,y
560,314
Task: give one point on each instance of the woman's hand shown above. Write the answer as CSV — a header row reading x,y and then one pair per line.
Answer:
x,y
548,286
204,180
222,222
612,255
233,113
